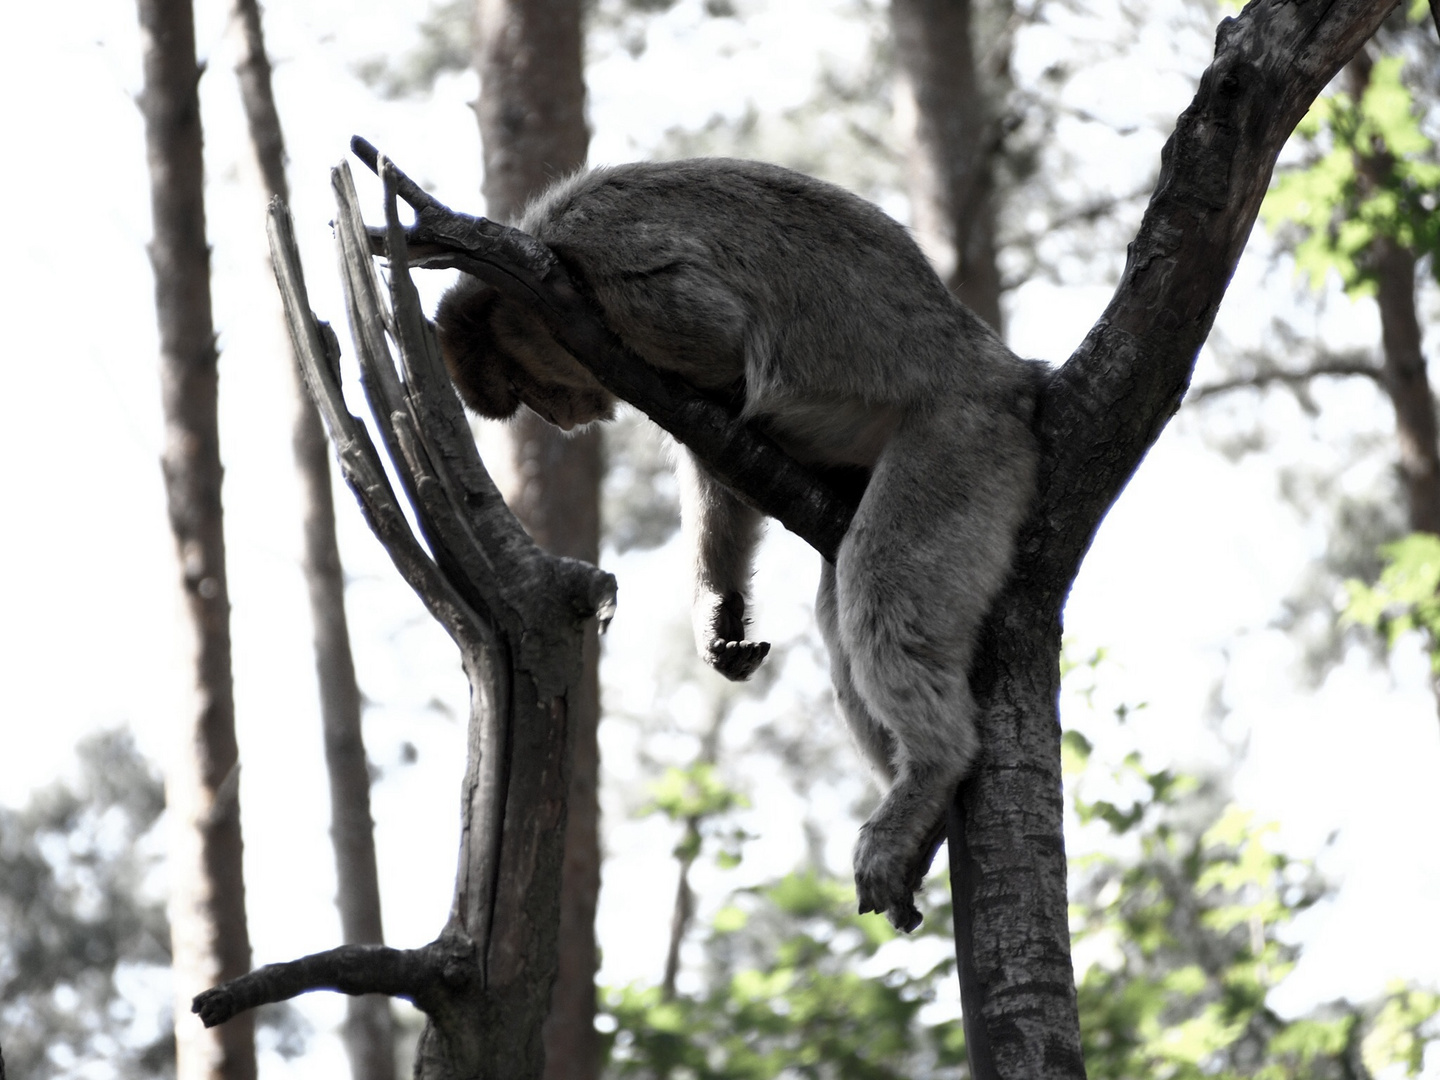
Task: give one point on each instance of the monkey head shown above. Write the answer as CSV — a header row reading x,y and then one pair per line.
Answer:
x,y
500,356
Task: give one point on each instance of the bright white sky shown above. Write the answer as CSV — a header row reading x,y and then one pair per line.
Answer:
x,y
1183,580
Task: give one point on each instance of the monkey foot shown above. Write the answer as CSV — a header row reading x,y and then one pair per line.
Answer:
x,y
736,660
887,875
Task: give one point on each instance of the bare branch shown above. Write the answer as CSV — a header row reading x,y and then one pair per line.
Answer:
x,y
519,617
319,353
412,974
1321,369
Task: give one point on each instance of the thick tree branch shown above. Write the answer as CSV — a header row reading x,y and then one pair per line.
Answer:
x,y
1126,380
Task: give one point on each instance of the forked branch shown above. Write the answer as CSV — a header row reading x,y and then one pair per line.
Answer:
x,y
518,617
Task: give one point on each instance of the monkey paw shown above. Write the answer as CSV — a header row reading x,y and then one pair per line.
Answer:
x,y
736,660
882,885
888,874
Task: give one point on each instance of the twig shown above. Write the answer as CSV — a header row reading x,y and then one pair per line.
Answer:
x,y
1319,370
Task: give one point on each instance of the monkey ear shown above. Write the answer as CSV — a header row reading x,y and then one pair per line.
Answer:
x,y
478,367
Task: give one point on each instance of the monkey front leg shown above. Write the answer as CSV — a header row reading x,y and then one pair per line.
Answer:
x,y
722,533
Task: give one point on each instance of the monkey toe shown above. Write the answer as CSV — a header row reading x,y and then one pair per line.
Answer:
x,y
737,660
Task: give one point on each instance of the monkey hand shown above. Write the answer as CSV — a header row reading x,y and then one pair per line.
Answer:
x,y
736,660
889,871
722,635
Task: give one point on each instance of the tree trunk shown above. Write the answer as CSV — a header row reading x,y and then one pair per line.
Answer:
x,y
369,1028
952,141
1408,384
209,938
1403,365
532,128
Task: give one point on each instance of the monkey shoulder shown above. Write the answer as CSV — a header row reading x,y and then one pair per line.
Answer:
x,y
721,268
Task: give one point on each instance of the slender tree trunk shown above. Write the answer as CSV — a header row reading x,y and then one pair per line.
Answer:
x,y
952,142
683,914
369,1029
532,129
209,938
1403,365
1408,384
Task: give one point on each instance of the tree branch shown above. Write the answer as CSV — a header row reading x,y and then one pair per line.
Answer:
x,y
1338,367
519,617
413,974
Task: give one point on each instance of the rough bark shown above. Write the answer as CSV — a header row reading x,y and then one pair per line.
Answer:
x,y
531,112
369,1027
951,148
1403,373
1102,412
209,937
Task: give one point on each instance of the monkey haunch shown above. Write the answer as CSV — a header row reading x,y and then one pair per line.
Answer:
x,y
820,311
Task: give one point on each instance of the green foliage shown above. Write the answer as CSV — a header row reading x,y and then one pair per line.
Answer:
x,y
77,924
1395,1034
785,999
696,797
1407,596
1180,904
1378,178
1178,924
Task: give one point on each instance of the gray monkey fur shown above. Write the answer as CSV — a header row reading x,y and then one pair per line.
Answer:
x,y
820,314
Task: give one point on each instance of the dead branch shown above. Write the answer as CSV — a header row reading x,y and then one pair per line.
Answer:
x,y
413,974
518,617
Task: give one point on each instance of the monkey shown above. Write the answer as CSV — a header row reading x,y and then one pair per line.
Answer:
x,y
818,314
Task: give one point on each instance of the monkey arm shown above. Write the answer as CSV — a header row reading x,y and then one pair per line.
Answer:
x,y
721,532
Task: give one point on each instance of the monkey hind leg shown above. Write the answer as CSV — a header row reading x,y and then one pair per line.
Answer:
x,y
872,738
928,551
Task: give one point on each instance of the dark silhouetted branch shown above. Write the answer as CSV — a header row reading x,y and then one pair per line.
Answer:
x,y
412,974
